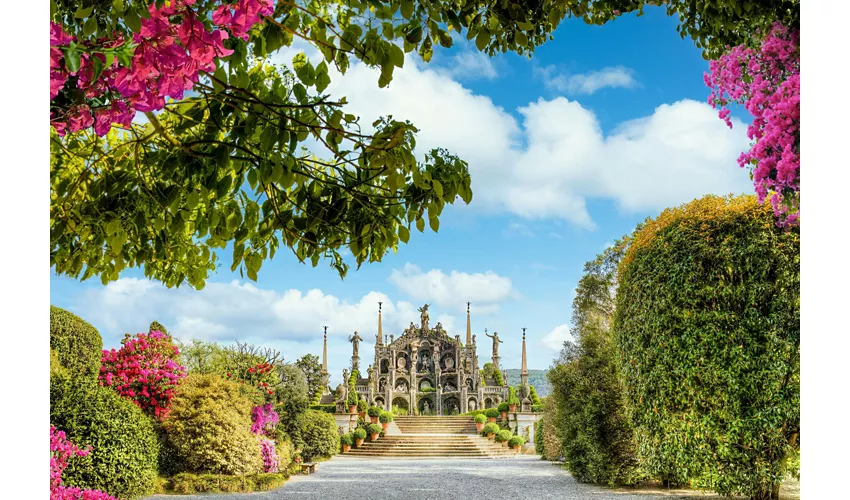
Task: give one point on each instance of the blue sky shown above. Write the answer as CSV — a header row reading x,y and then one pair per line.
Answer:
x,y
568,151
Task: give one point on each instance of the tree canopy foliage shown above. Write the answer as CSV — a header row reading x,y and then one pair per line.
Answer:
x,y
708,326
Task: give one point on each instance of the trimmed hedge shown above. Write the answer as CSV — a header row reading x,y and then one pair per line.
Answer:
x,y
537,408
516,441
480,418
385,417
77,344
359,433
708,326
374,411
373,429
503,407
503,435
490,428
324,408
492,413
123,460
346,439
318,436
209,427
189,484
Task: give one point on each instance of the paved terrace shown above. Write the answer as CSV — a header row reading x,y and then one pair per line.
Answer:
x,y
519,478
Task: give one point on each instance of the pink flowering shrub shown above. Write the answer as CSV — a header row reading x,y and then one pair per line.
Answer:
x,y
767,82
264,419
164,58
145,370
271,462
61,451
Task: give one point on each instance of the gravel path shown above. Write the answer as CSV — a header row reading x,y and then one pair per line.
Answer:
x,y
520,478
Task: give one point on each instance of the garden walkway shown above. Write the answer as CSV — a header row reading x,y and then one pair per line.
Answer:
x,y
520,478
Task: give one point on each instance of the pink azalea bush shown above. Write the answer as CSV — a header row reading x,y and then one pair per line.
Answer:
x,y
172,48
264,419
271,462
62,451
145,370
766,81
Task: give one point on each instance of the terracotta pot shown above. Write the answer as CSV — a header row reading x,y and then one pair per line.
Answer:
x,y
516,448
491,436
513,408
386,426
478,426
358,442
504,415
374,420
352,409
346,448
491,419
362,414
375,436
504,444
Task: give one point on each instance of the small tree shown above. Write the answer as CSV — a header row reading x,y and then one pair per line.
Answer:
x,y
309,364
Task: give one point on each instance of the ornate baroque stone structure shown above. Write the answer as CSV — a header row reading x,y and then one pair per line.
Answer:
x,y
428,371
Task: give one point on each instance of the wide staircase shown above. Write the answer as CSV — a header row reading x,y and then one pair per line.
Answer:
x,y
432,437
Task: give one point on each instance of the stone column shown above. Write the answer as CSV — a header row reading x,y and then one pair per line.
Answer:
x,y
439,400
326,377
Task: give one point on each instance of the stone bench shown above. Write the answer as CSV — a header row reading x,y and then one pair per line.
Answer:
x,y
309,467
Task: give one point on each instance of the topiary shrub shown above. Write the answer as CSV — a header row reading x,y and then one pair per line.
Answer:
x,y
538,438
209,427
318,436
516,441
480,418
385,417
503,435
373,411
346,439
373,429
361,405
708,326
492,413
77,344
503,407
491,428
124,447
359,433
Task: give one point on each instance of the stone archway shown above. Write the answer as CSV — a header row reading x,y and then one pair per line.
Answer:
x,y
451,406
488,403
402,404
426,384
401,385
426,406
385,366
471,405
379,402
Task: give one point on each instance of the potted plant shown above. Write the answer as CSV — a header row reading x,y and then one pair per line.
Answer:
x,y
352,400
479,421
374,412
385,417
346,440
503,437
374,431
490,430
513,400
361,408
359,436
492,414
515,442
503,409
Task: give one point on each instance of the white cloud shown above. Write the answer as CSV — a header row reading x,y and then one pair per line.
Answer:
x,y
290,321
484,290
471,65
587,83
555,339
518,229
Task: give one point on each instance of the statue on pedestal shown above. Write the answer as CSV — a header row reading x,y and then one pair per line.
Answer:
x,y
424,317
496,343
355,340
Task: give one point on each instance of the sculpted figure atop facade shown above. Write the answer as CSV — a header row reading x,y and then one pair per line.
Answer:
x,y
424,317
496,343
355,340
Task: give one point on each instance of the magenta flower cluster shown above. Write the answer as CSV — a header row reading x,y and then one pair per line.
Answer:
x,y
264,419
62,451
271,462
170,51
145,370
767,82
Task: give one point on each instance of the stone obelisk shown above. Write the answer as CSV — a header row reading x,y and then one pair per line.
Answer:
x,y
325,375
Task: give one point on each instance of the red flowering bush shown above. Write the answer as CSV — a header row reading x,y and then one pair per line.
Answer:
x,y
61,451
767,82
145,370
257,379
157,57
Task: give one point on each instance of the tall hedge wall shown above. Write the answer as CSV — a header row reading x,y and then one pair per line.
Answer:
x,y
708,324
76,344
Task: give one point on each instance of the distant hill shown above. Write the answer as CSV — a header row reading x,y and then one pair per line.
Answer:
x,y
537,378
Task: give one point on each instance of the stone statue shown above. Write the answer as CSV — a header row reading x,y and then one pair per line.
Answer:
x,y
473,339
424,317
426,408
385,339
496,343
439,329
382,385
457,339
472,405
369,372
412,328
355,340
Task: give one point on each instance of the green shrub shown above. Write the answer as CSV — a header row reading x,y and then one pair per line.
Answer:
x,y
352,397
373,429
480,419
513,399
385,417
324,408
292,394
532,395
516,441
492,413
123,460
189,484
503,435
374,411
537,408
318,436
359,433
708,327
285,452
399,411
538,438
77,344
209,427
362,405
56,367
503,407
346,439
491,428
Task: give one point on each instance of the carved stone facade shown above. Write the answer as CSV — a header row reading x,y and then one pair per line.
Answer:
x,y
428,372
